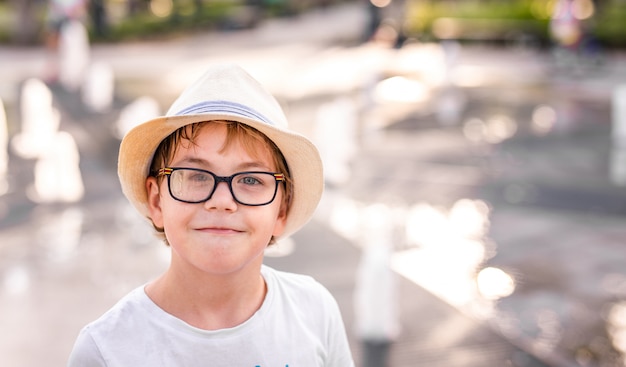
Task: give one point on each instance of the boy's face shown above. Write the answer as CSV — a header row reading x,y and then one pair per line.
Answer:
x,y
218,236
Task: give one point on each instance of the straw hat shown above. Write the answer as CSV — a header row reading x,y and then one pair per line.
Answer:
x,y
225,92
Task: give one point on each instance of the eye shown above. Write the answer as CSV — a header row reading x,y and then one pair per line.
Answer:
x,y
198,177
250,180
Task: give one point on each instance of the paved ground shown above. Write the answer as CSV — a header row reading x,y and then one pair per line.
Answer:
x,y
507,226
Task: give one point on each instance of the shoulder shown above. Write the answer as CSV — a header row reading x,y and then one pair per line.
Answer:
x,y
306,312
129,313
294,283
301,291
91,344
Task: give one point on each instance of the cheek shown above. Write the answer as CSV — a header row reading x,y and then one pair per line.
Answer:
x,y
281,218
174,214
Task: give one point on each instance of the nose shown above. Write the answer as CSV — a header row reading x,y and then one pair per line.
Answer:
x,y
222,198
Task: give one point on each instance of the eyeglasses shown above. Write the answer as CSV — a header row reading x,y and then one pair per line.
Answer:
x,y
193,185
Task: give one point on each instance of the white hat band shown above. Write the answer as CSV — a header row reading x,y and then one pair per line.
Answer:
x,y
224,107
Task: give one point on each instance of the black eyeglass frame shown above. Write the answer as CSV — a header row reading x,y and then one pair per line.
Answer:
x,y
167,171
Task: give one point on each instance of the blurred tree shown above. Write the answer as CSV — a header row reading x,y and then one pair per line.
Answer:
x,y
175,16
137,6
198,5
26,28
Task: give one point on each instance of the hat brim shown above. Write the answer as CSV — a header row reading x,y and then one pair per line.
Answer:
x,y
305,167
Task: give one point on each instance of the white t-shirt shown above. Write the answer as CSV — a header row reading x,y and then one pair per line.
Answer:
x,y
298,325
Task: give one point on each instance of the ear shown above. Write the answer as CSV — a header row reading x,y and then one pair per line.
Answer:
x,y
154,201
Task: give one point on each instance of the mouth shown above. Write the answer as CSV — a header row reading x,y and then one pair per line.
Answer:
x,y
219,230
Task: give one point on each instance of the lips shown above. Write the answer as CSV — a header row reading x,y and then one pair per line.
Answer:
x,y
219,230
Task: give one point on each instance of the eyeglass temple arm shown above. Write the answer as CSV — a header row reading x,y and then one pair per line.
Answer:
x,y
164,172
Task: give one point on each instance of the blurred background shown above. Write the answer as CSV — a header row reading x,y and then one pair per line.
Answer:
x,y
475,157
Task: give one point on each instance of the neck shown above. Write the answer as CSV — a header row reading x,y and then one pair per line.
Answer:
x,y
209,301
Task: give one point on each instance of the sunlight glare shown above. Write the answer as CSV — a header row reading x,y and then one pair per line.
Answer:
x,y
428,62
401,89
469,218
494,283
425,224
438,272
448,250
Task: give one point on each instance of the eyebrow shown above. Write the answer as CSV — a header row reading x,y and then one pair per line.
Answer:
x,y
247,165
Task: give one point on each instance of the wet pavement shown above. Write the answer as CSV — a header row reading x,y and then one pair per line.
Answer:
x,y
507,211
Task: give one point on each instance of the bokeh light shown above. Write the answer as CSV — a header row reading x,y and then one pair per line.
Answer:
x,y
161,8
494,283
543,119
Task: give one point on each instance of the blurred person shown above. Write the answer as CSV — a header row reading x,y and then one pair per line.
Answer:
x,y
59,13
221,177
574,43
565,28
374,19
98,15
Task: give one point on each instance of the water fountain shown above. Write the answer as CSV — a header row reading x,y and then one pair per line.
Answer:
x,y
335,136
98,87
451,101
73,55
375,298
39,120
140,110
57,172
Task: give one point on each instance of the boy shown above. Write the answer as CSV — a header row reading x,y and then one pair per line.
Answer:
x,y
220,177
